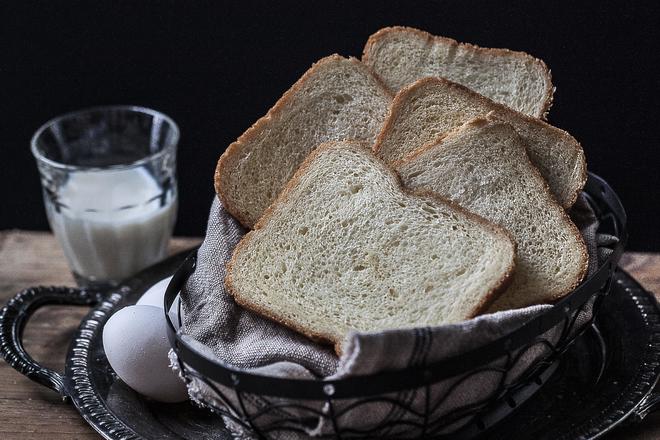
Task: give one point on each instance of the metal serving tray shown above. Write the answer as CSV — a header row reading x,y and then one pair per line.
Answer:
x,y
583,399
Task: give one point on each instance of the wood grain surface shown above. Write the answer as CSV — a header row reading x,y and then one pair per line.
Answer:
x,y
30,411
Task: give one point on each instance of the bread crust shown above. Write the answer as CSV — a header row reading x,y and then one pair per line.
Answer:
x,y
568,223
497,109
223,168
507,277
283,197
375,38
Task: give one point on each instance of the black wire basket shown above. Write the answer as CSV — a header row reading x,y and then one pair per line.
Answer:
x,y
266,407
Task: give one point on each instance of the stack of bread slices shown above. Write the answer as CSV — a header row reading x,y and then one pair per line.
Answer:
x,y
419,186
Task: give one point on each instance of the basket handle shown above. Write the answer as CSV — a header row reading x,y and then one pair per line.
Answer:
x,y
15,315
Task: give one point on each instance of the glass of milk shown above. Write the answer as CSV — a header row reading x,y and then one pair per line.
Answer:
x,y
109,186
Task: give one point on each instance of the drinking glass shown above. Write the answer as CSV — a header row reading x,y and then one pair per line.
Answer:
x,y
108,176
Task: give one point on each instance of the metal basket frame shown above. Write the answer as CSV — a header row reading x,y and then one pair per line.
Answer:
x,y
380,387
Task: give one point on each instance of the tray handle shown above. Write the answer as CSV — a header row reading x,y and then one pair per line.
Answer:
x,y
15,315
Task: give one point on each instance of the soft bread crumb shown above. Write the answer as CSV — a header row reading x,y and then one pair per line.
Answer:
x,y
337,98
345,248
403,55
434,106
483,166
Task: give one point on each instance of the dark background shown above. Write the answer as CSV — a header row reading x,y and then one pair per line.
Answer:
x,y
217,67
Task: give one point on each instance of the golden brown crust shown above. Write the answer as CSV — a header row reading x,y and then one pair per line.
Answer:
x,y
584,255
226,202
507,277
568,223
311,335
223,168
549,96
495,109
475,122
436,39
283,198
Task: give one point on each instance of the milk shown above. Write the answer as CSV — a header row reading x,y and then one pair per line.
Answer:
x,y
112,223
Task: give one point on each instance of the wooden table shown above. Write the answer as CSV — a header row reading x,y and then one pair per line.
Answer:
x,y
30,411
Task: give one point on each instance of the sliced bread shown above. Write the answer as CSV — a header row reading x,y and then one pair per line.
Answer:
x,y
344,247
432,106
483,167
337,98
402,55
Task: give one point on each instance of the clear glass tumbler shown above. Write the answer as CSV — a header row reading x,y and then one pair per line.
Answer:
x,y
109,186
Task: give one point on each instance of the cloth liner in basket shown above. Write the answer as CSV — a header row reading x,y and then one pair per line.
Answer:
x,y
218,327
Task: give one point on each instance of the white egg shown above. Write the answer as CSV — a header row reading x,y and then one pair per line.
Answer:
x,y
155,296
136,345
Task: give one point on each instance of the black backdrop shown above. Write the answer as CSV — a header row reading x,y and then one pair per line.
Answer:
x,y
216,67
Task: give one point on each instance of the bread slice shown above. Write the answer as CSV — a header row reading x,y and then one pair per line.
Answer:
x,y
402,55
345,248
431,106
483,167
337,98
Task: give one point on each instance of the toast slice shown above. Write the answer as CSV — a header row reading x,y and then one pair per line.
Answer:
x,y
432,106
337,98
344,247
483,167
402,55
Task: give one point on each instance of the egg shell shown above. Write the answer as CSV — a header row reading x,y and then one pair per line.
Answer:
x,y
155,295
136,345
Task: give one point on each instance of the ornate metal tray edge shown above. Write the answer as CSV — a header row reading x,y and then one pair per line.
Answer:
x,y
75,385
639,398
